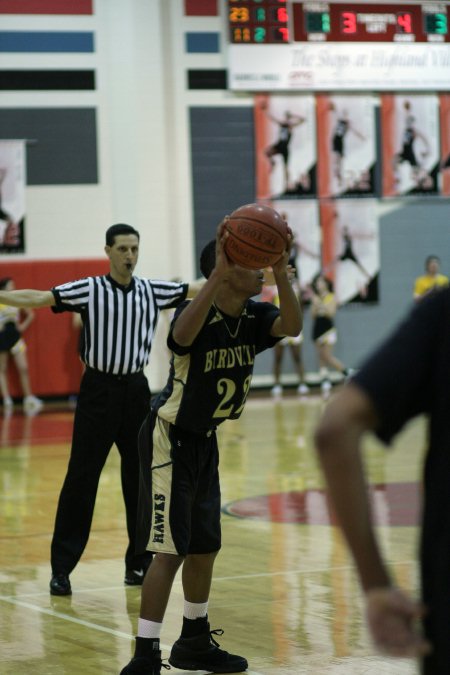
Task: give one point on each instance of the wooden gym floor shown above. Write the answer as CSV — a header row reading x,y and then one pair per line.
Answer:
x,y
284,589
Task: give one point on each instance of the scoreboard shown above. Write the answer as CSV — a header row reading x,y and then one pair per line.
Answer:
x,y
334,45
287,21
317,21
258,21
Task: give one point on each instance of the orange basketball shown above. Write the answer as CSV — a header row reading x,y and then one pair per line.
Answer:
x,y
257,236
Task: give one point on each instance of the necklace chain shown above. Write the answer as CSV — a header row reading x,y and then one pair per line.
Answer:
x,y
231,333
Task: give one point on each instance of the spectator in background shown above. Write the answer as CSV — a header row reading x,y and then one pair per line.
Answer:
x,y
324,334
431,280
408,375
13,323
294,344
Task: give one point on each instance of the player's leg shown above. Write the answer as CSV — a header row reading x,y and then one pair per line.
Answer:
x,y
296,352
19,354
172,492
7,400
329,359
135,407
97,417
196,648
270,152
278,351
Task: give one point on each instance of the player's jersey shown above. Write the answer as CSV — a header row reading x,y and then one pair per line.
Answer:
x,y
408,137
209,381
341,128
285,133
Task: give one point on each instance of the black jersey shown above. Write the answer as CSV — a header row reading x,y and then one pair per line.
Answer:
x,y
341,128
284,133
209,381
407,376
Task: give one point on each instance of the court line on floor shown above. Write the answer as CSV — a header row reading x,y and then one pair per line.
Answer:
x,y
237,577
82,622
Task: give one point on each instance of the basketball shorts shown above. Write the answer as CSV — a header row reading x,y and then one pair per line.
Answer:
x,y
10,339
185,491
324,332
19,347
289,340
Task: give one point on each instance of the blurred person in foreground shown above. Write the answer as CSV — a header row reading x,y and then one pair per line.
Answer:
x,y
407,376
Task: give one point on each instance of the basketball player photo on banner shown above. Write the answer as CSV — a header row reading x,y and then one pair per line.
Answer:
x,y
303,219
444,113
350,248
285,130
346,141
12,196
410,144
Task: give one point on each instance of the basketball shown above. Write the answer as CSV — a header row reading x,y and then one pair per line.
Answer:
x,y
257,236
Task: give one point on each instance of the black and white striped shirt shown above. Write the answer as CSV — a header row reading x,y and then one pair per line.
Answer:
x,y
118,322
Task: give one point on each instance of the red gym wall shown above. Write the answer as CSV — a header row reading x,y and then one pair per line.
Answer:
x,y
52,342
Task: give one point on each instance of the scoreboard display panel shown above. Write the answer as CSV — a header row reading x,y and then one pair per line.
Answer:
x,y
363,22
287,21
258,21
318,45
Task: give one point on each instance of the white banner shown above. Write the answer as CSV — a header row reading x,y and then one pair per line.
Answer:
x,y
340,66
12,196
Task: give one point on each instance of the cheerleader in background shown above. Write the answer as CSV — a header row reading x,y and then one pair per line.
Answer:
x,y
11,343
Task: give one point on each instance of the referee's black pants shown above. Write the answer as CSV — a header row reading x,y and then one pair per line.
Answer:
x,y
110,409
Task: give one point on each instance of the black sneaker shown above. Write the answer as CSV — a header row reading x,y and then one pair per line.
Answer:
x,y
135,577
202,653
60,585
145,665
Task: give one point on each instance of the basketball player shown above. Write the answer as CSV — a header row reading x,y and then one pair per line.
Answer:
x,y
281,146
214,340
341,128
408,375
408,152
11,231
119,313
349,254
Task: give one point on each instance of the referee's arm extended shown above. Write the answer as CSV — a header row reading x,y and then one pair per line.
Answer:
x,y
27,298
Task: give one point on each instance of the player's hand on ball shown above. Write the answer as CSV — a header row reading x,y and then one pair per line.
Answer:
x,y
282,264
223,262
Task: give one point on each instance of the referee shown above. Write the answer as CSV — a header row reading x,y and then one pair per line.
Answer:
x,y
119,313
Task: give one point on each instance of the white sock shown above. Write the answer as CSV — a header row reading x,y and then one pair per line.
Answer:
x,y
149,629
195,610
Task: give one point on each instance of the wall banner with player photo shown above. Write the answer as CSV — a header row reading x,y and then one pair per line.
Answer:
x,y
346,140
350,248
444,108
303,219
285,143
410,140
12,196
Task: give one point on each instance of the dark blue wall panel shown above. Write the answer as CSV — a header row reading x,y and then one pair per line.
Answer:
x,y
46,41
62,148
223,165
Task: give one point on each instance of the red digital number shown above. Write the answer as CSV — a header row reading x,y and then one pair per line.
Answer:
x,y
348,22
404,22
282,15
